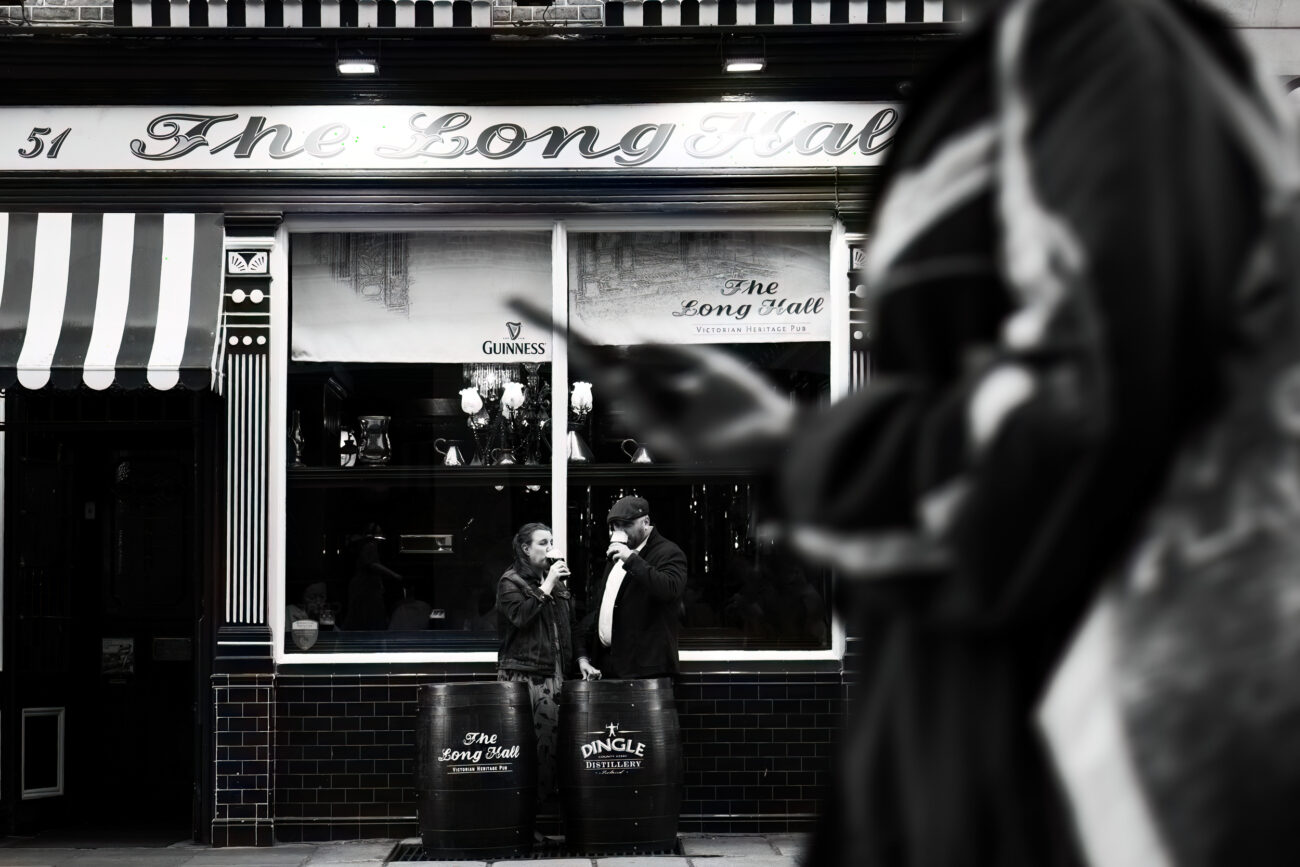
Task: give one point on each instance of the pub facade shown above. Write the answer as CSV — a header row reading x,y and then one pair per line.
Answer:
x,y
280,385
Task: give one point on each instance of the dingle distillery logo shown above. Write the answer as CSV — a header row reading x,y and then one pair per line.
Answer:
x,y
613,752
513,346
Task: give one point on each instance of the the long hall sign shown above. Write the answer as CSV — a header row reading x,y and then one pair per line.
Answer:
x,y
334,138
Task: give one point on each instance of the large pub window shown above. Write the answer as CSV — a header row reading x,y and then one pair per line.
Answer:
x,y
420,428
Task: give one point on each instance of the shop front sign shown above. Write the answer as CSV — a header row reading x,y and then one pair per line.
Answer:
x,y
388,138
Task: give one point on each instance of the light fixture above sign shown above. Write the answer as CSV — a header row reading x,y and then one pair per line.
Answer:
x,y
357,60
357,66
745,64
744,54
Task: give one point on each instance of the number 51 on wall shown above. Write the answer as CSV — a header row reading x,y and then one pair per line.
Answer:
x,y
36,137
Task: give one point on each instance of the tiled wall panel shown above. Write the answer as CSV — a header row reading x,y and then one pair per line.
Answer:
x,y
245,721
757,748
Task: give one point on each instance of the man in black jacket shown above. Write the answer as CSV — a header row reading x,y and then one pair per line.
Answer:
x,y
631,627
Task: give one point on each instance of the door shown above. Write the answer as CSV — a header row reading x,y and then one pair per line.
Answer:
x,y
139,737
104,591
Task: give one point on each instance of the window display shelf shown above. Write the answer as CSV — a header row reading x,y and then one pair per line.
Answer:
x,y
643,473
332,477
345,477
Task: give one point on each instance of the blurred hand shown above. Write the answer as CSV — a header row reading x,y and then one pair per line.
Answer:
x,y
686,402
694,402
618,551
589,671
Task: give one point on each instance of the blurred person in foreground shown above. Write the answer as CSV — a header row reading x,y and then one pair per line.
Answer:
x,y
536,627
1064,254
631,629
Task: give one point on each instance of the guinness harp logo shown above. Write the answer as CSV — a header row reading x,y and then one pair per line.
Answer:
x,y
513,328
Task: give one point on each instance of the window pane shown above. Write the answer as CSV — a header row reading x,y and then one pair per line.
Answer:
x,y
401,512
763,298
418,296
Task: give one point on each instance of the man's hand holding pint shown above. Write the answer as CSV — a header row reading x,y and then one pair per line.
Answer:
x,y
618,548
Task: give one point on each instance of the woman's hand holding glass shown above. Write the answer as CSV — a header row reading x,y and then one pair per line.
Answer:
x,y
558,572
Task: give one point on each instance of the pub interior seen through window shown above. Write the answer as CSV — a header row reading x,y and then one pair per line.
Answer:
x,y
422,418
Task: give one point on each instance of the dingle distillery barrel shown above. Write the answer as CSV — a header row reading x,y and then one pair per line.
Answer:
x,y
476,770
620,765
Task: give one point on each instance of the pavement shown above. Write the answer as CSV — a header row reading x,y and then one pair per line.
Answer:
x,y
699,850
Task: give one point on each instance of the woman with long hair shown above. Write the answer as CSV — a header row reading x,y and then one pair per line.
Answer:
x,y
536,612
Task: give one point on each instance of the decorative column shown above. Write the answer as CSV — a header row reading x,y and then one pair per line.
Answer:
x,y
243,662
859,327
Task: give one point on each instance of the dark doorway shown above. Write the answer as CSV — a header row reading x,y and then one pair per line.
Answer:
x,y
104,587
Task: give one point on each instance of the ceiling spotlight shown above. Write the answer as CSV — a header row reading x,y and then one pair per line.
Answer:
x,y
357,66
745,64
357,59
744,53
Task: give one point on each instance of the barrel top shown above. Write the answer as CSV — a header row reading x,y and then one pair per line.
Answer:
x,y
474,692
656,688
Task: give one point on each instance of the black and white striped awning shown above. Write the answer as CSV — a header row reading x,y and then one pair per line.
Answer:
x,y
393,14
109,298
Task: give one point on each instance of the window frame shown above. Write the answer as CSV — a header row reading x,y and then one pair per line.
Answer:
x,y
560,228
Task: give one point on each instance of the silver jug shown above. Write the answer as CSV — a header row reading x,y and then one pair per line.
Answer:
x,y
638,453
451,455
503,457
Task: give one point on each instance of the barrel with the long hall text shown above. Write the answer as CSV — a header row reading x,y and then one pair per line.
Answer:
x,y
620,765
476,770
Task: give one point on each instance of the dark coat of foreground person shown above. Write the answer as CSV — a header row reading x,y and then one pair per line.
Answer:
x,y
1058,270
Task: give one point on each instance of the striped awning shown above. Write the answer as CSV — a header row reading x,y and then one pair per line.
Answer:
x,y
109,298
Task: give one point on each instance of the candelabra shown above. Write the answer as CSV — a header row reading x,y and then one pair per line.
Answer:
x,y
507,418
534,416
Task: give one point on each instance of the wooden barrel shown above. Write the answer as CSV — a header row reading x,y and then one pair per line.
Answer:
x,y
620,765
476,770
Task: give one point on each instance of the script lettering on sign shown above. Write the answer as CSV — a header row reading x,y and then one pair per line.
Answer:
x,y
724,132
485,749
499,141
324,141
778,308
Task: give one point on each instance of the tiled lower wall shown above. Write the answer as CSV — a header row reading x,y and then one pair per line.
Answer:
x,y
242,812
757,750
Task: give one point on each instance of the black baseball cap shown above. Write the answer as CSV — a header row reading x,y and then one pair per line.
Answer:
x,y
628,509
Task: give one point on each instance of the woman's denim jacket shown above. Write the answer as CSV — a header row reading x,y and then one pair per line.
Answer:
x,y
533,626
